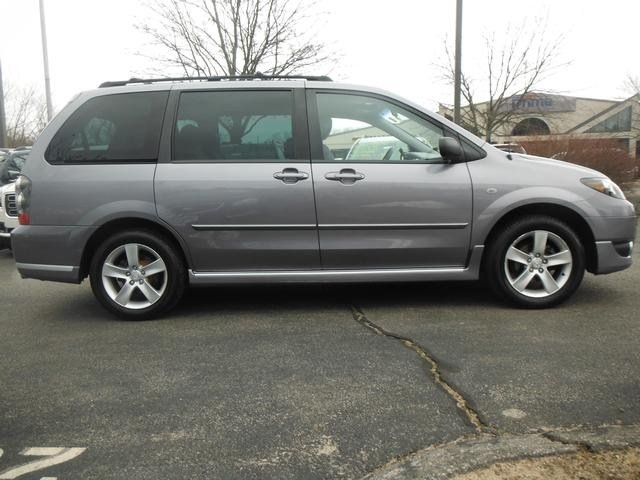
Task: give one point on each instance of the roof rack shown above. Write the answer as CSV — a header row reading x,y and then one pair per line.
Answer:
x,y
257,76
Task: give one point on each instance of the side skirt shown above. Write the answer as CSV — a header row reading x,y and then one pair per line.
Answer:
x,y
470,272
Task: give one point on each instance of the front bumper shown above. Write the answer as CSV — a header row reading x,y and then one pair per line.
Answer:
x,y
614,237
4,231
613,256
5,236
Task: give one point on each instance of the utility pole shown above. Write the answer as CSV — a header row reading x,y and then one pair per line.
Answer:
x,y
45,57
3,118
458,63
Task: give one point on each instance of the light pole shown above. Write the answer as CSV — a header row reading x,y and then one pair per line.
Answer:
x,y
45,58
3,118
458,63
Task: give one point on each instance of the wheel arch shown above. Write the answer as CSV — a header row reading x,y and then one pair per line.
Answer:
x,y
132,223
565,214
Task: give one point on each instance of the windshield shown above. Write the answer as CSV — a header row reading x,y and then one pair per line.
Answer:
x,y
421,131
12,166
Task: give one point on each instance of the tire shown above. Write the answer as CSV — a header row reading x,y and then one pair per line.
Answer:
x,y
123,286
535,262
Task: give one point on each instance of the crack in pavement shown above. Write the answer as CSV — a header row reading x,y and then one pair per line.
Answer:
x,y
580,445
469,413
445,461
488,445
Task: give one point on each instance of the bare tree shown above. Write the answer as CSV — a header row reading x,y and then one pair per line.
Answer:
x,y
234,37
513,67
632,84
26,112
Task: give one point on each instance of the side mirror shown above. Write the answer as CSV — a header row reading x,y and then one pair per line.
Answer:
x,y
450,149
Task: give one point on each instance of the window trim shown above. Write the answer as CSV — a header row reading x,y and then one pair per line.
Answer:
x,y
317,156
299,129
139,161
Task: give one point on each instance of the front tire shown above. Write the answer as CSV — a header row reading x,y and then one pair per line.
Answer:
x,y
535,262
137,275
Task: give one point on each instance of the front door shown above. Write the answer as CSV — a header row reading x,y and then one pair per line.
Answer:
x,y
238,186
384,196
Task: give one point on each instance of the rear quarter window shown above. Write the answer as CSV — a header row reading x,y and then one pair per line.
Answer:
x,y
111,128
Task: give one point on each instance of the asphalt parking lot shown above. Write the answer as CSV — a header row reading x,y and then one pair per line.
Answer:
x,y
301,382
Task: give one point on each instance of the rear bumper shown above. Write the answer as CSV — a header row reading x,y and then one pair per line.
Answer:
x,y
56,273
50,252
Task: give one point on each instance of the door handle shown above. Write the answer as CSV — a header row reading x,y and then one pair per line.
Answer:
x,y
290,175
346,176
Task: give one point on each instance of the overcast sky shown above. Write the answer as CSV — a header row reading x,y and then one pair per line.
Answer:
x,y
393,44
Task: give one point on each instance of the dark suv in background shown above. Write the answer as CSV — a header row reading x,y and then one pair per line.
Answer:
x,y
146,186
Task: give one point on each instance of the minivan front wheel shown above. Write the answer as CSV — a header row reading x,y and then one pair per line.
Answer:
x,y
137,275
536,262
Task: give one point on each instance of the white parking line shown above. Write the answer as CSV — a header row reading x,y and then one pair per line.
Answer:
x,y
42,451
55,456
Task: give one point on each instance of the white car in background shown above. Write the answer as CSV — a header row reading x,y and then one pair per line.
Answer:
x,y
9,171
8,214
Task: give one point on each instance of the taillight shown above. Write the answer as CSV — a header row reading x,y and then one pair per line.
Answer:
x,y
24,219
23,199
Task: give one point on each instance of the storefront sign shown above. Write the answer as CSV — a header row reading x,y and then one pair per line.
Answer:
x,y
540,102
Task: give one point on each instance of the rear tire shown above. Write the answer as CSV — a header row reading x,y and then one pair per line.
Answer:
x,y
535,262
137,275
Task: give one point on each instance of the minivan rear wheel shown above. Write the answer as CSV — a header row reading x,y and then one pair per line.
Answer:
x,y
535,262
137,275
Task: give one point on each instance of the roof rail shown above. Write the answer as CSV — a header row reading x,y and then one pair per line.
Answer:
x,y
257,76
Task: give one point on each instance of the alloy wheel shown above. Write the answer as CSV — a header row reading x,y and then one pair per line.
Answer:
x,y
538,264
134,276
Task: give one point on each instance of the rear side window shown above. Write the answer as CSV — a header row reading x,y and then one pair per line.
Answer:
x,y
237,126
112,128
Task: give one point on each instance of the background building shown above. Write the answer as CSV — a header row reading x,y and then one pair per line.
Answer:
x,y
542,117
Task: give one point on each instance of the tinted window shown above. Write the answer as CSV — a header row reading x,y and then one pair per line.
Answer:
x,y
357,128
122,127
234,126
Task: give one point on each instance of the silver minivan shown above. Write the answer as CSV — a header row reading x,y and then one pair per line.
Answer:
x,y
147,186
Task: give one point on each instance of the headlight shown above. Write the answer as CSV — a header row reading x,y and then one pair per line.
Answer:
x,y
604,185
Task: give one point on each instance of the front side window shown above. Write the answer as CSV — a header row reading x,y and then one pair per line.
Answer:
x,y
358,128
237,126
112,128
